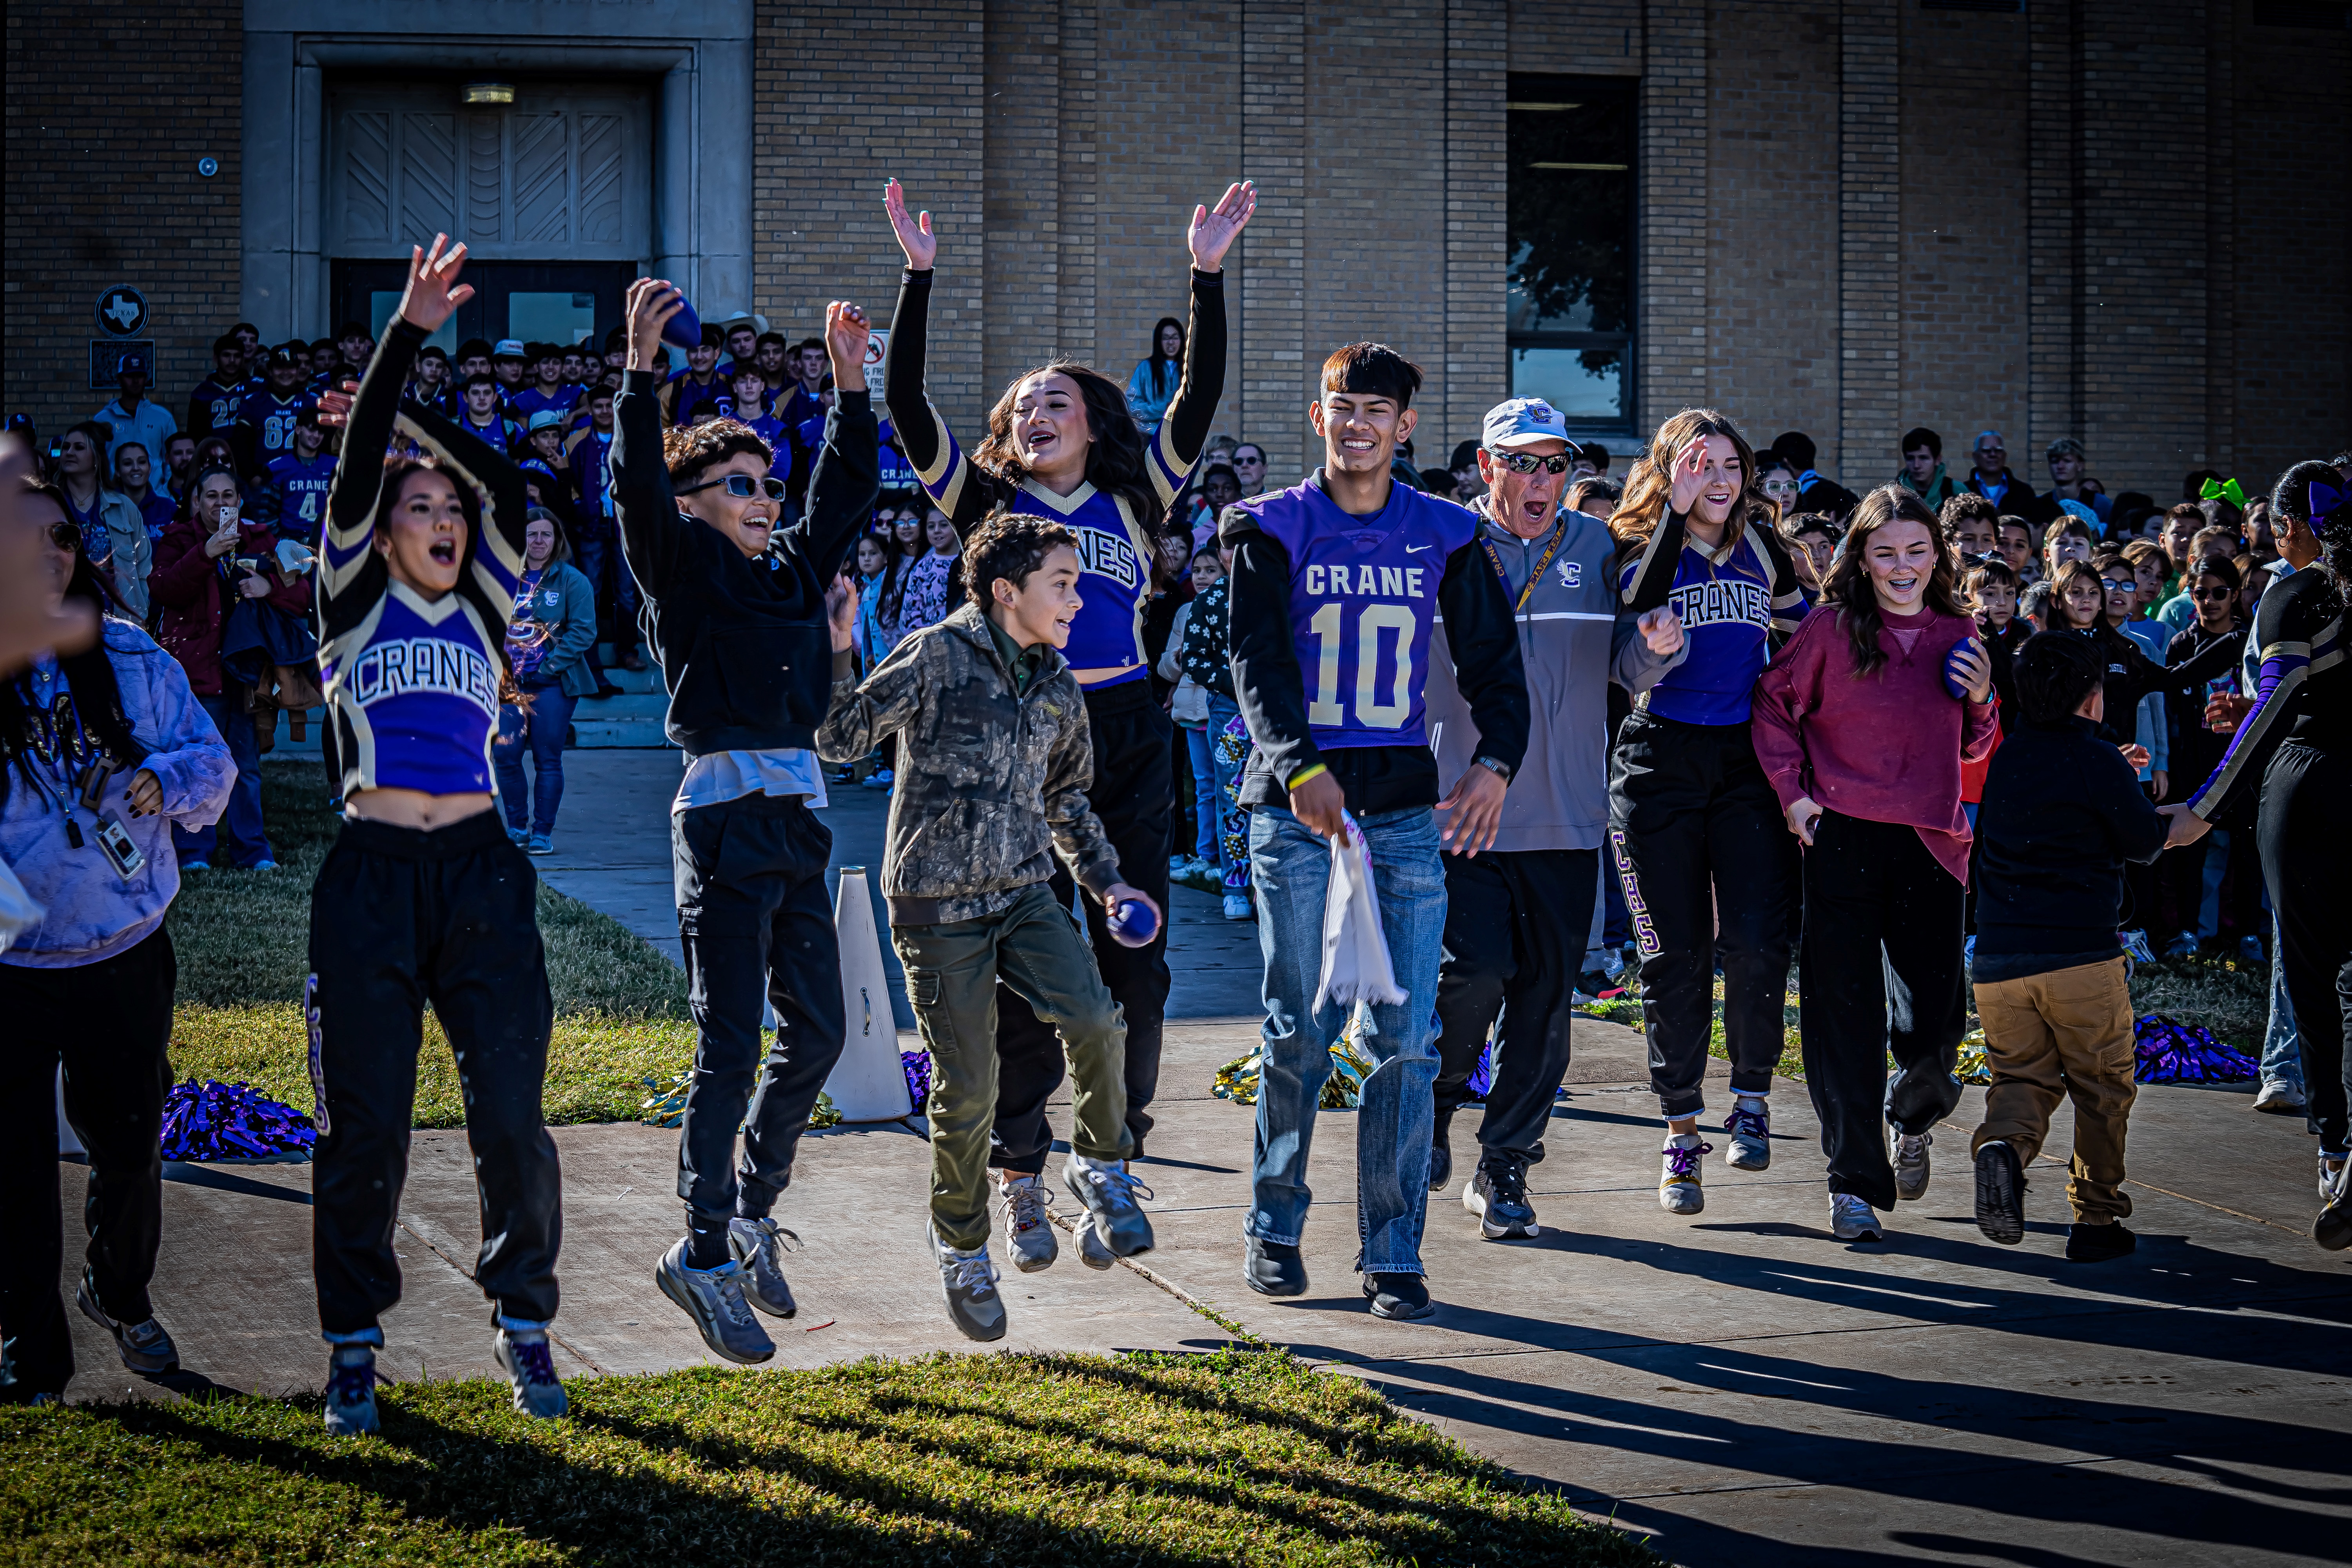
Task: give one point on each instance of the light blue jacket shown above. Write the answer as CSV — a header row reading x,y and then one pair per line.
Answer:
x,y
92,913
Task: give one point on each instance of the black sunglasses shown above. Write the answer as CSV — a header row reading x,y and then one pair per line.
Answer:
x,y
1527,463
2215,593
741,486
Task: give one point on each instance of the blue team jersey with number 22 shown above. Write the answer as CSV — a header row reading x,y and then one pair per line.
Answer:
x,y
1363,601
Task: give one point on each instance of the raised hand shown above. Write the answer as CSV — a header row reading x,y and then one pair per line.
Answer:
x,y
1689,476
845,332
1213,233
915,236
335,406
841,611
651,302
434,292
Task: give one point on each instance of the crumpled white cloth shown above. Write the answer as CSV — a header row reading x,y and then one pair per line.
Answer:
x,y
1356,964
17,910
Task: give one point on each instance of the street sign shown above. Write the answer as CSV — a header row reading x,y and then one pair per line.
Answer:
x,y
106,355
876,342
122,311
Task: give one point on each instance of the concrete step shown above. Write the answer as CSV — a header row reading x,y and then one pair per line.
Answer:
x,y
634,681
621,732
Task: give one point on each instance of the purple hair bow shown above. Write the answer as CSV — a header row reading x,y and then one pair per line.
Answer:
x,y
2325,498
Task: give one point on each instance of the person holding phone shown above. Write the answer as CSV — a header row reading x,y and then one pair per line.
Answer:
x,y
204,564
100,751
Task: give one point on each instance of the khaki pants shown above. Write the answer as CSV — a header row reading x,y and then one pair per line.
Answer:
x,y
952,975
2067,1033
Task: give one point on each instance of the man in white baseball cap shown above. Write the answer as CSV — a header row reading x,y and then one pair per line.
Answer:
x,y
1516,916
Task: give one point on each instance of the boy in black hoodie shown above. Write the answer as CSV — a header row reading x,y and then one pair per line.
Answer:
x,y
2062,811
735,610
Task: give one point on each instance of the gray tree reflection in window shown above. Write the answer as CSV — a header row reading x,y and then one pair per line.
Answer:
x,y
1571,279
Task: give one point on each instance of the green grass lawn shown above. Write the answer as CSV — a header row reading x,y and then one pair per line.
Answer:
x,y
1237,1457
242,939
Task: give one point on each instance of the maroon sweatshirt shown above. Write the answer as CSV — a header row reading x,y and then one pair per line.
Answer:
x,y
1886,747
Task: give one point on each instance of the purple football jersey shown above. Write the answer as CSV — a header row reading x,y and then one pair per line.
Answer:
x,y
1363,600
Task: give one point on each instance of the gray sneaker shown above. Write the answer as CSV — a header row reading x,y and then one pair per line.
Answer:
x,y
144,1347
759,1245
713,1297
968,1280
1752,1136
352,1378
1109,1193
1852,1219
1911,1164
530,1367
1680,1187
1029,1236
1093,1250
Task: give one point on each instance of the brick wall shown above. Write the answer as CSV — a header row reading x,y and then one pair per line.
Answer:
x,y
108,113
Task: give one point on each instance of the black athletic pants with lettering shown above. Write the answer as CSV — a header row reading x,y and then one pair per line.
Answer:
x,y
109,1024
2307,860
400,917
1515,924
1881,972
1709,870
1133,794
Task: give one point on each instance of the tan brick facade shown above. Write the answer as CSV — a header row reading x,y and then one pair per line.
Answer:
x,y
2089,218
109,113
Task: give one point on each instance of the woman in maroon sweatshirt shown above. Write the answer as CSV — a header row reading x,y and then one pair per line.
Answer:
x,y
1859,731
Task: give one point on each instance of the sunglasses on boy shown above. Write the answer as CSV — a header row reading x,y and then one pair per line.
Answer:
x,y
742,487
1528,462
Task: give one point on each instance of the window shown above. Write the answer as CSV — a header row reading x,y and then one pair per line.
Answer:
x,y
1571,309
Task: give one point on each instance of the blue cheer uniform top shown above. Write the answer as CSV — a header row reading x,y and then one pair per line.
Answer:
x,y
1731,602
1114,546
411,684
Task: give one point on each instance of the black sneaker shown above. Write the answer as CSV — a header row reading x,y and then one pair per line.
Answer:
x,y
1497,1194
2098,1243
1441,1151
1402,1297
2001,1196
1273,1267
144,1347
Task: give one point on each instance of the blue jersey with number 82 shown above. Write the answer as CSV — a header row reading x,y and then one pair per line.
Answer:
x,y
1363,600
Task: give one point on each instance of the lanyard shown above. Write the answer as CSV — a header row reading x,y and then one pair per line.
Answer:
x,y
1495,559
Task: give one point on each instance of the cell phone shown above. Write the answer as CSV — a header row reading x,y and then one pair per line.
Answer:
x,y
224,520
122,853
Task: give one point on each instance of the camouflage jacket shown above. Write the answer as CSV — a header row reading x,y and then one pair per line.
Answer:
x,y
988,783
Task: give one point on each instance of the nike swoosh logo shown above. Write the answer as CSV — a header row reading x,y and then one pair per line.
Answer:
x,y
1414,549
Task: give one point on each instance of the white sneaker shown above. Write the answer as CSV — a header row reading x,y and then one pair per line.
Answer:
x,y
1238,906
2278,1099
2331,1176
1851,1219
1029,1239
1751,1126
1679,1187
1911,1165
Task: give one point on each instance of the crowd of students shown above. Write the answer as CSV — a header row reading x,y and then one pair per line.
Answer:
x,y
1855,727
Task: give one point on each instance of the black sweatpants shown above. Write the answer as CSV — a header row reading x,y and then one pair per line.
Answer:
x,y
1709,870
109,1023
1133,796
757,926
400,917
1515,924
2307,860
1881,971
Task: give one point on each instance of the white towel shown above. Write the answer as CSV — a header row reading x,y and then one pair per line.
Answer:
x,y
1356,967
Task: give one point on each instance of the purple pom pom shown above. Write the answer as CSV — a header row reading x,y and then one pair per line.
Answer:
x,y
2169,1051
220,1121
918,1067
1482,1077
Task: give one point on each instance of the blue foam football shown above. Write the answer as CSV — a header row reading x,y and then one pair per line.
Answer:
x,y
1133,923
684,330
1952,681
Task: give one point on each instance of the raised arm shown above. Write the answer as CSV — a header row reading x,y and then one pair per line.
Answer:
x,y
847,478
432,295
1183,433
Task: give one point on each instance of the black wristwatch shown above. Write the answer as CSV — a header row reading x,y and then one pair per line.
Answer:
x,y
1501,770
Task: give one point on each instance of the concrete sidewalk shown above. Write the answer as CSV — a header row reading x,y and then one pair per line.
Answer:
x,y
1741,1386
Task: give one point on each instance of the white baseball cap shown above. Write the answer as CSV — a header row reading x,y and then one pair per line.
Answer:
x,y
1522,422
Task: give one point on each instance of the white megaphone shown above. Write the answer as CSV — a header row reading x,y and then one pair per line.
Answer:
x,y
869,1081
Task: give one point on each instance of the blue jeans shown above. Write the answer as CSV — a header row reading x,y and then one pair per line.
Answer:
x,y
240,823
1207,805
542,730
2282,1047
1291,868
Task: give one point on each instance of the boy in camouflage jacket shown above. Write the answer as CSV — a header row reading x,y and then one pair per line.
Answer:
x,y
994,764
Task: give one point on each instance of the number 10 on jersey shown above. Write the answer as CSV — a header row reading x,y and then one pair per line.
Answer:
x,y
1325,707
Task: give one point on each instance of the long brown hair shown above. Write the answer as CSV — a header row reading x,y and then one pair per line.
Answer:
x,y
1650,485
2068,572
1848,586
1115,459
